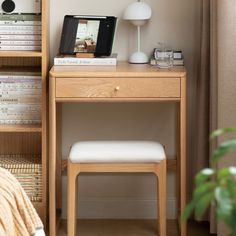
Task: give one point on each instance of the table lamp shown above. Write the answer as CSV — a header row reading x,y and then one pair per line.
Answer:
x,y
138,13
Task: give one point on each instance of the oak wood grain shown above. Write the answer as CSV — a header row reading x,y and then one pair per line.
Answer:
x,y
117,87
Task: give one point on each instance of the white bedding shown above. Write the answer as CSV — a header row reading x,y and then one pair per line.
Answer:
x,y
40,232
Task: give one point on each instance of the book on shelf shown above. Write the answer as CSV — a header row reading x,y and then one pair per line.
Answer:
x,y
19,22
20,84
177,55
23,72
20,28
20,32
17,92
20,43
20,107
163,64
32,37
20,19
17,86
65,60
165,53
20,100
19,117
20,48
20,122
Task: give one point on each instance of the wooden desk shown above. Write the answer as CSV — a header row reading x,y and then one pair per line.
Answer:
x,y
124,83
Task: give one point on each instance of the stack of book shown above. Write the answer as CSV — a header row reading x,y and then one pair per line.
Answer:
x,y
20,97
70,60
20,32
28,170
166,59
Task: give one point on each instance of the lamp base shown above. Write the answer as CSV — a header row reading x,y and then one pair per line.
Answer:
x,y
138,58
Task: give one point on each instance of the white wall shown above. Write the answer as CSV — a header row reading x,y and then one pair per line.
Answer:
x,y
175,22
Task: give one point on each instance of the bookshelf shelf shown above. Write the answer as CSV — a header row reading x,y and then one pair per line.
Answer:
x,y
20,54
26,98
20,128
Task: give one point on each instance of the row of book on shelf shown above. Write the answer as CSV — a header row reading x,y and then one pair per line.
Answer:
x,y
20,32
20,97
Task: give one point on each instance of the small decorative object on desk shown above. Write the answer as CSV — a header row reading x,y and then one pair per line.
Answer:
x,y
163,56
166,58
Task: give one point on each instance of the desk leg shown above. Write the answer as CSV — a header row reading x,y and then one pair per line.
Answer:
x,y
183,159
52,159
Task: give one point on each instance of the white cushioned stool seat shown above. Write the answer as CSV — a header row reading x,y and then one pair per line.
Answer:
x,y
116,152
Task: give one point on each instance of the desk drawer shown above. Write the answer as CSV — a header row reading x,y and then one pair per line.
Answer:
x,y
117,87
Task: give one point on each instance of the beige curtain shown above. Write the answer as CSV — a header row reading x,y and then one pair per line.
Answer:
x,y
226,74
206,91
216,85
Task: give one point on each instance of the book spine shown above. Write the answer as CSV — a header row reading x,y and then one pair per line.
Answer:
x,y
23,48
12,87
19,22
20,37
6,97
20,75
20,17
20,81
21,32
20,43
18,85
14,117
24,108
19,100
23,92
86,61
7,80
20,27
20,122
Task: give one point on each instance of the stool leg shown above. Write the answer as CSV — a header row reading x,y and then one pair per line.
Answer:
x,y
72,174
161,178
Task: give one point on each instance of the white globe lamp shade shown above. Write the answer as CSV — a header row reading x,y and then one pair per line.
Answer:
x,y
138,13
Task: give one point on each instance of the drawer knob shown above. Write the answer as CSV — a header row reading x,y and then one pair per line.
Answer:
x,y
117,88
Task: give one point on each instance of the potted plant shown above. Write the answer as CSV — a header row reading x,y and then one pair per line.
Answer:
x,y
216,186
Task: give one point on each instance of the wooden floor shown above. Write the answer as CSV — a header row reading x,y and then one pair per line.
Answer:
x,y
130,228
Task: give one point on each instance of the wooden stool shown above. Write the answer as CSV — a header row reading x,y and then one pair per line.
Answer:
x,y
119,157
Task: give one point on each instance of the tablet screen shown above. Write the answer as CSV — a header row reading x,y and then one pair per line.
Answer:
x,y
86,36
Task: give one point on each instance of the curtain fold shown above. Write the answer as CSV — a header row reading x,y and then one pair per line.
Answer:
x,y
203,92
213,90
206,93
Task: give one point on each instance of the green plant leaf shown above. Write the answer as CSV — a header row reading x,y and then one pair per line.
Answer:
x,y
202,204
187,211
219,132
203,189
223,149
231,221
203,176
223,173
224,203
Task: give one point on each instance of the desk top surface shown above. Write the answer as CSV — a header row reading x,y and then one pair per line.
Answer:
x,y
123,69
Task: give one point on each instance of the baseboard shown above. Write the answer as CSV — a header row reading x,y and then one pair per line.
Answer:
x,y
117,208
